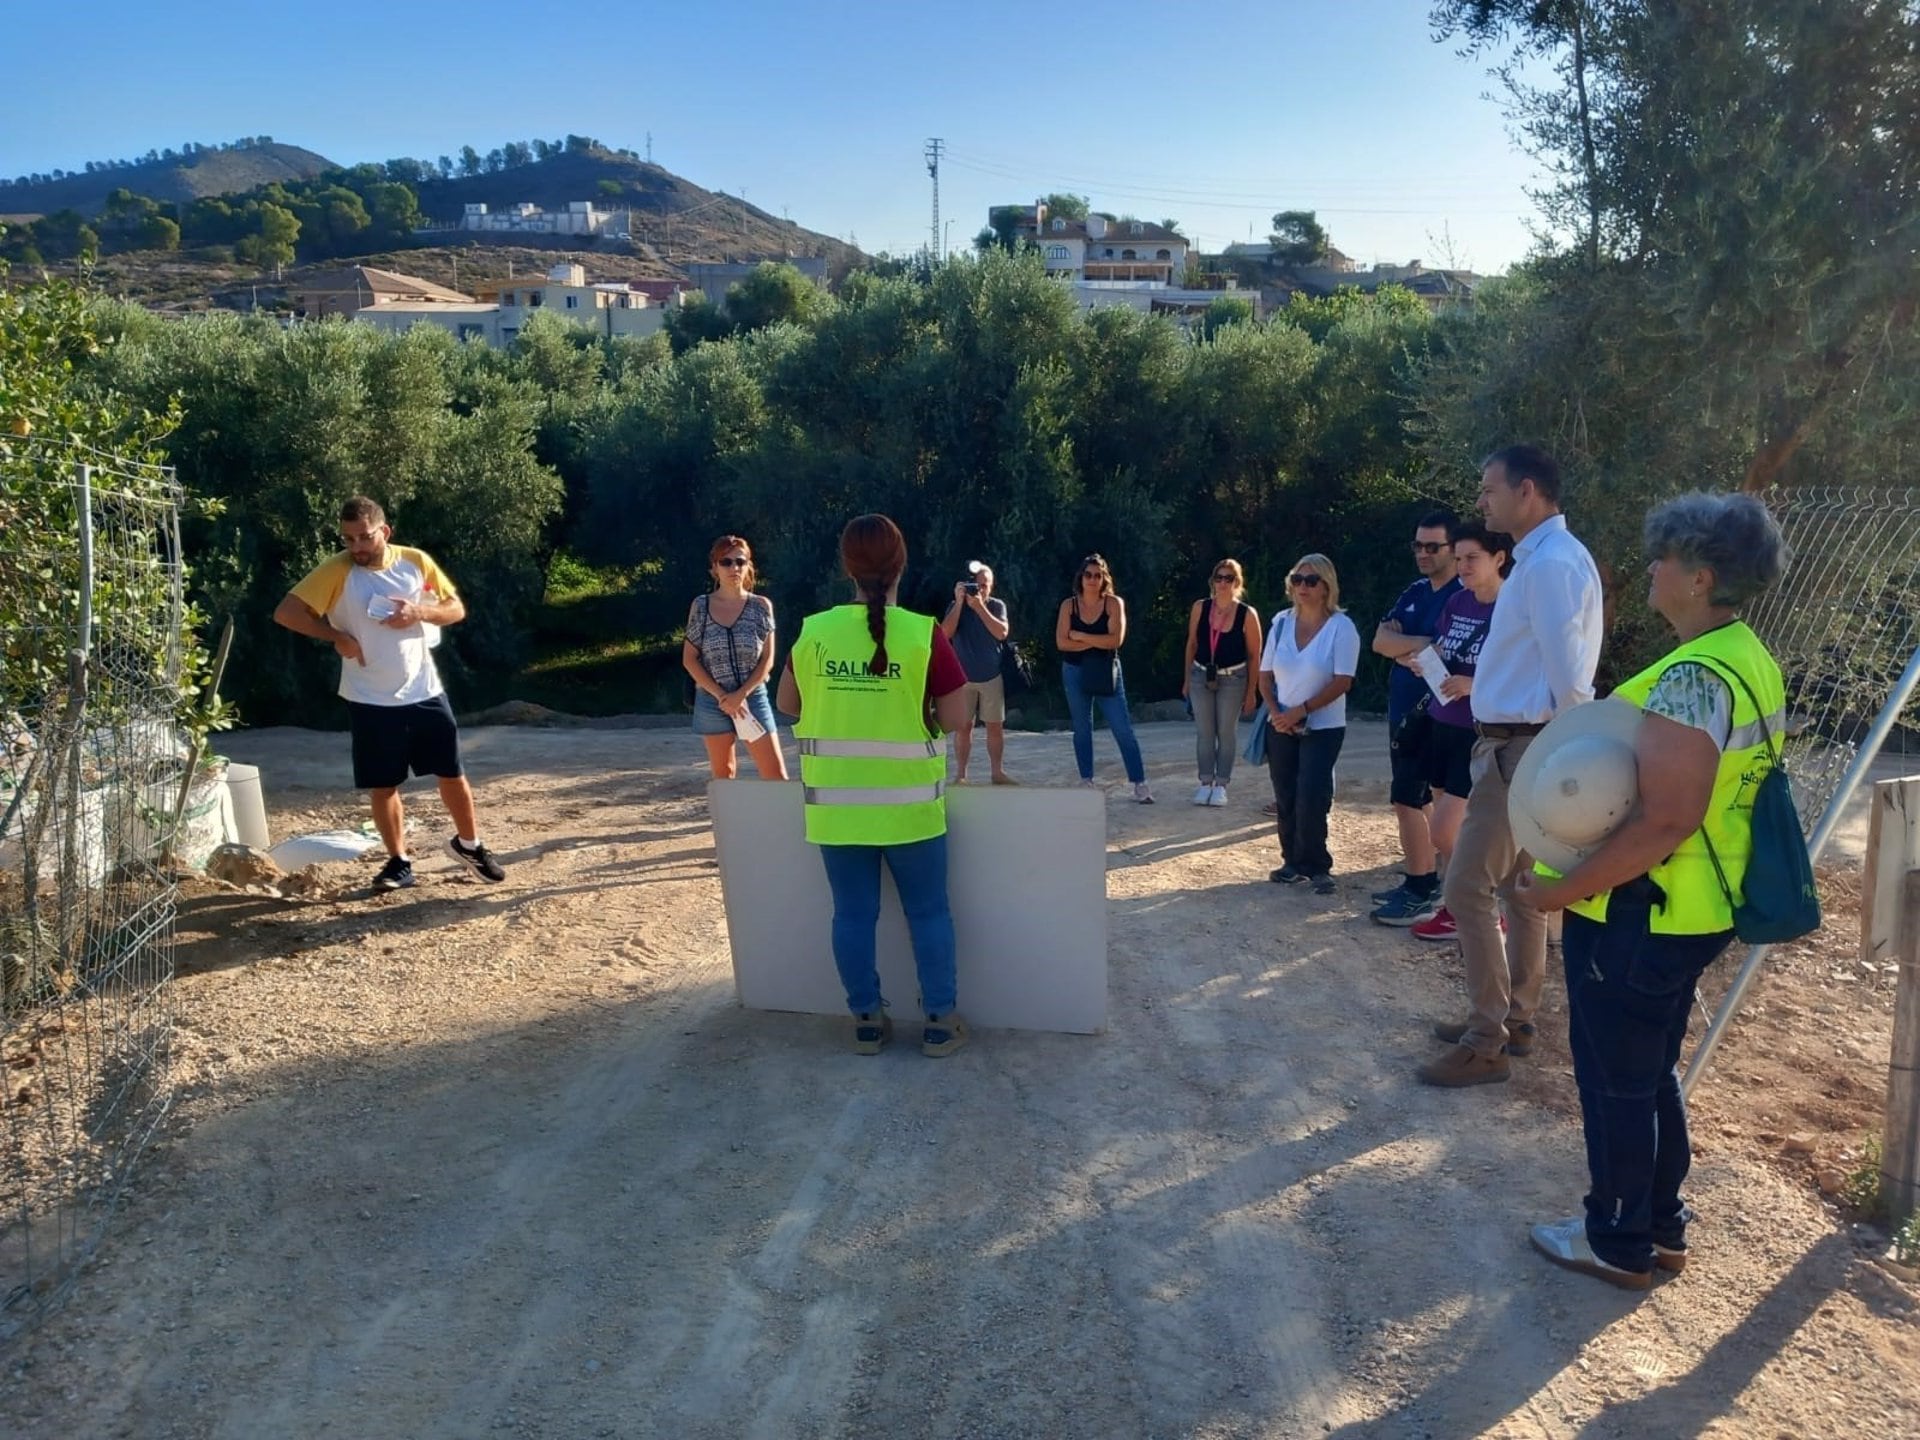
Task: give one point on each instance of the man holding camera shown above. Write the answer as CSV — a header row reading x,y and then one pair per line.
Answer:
x,y
976,624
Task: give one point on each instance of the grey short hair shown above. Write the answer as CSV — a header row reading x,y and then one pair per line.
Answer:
x,y
1731,535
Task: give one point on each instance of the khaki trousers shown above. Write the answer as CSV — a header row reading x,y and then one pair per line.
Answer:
x,y
1503,980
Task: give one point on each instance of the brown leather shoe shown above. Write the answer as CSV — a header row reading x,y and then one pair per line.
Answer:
x,y
1461,1066
1520,1038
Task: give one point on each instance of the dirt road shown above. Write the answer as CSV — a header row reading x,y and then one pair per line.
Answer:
x,y
472,1161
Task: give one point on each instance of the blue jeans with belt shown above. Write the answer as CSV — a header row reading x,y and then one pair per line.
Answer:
x,y
1629,993
920,875
1080,706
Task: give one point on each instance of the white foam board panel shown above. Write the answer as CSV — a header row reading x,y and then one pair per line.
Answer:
x,y
1026,877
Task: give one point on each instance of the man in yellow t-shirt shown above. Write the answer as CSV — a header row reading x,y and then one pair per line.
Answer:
x,y
381,607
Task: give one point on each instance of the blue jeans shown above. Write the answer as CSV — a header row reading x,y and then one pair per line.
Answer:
x,y
920,875
1114,707
1628,996
710,719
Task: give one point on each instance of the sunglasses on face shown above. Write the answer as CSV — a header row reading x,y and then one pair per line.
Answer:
x,y
1303,581
733,562
1427,547
1092,574
1224,577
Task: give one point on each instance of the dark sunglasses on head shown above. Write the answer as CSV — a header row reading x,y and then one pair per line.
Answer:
x,y
733,563
1427,547
1303,580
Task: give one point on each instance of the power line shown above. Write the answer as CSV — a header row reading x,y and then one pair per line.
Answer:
x,y
1241,200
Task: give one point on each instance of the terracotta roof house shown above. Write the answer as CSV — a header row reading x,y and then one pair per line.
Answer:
x,y
348,291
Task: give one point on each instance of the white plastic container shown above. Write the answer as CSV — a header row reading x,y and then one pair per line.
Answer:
x,y
249,806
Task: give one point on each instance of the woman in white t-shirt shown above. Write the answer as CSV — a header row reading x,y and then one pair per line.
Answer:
x,y
1306,670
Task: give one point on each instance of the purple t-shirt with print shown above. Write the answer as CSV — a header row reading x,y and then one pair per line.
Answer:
x,y
1458,634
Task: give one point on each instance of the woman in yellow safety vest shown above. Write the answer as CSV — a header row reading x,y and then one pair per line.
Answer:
x,y
875,688
1646,911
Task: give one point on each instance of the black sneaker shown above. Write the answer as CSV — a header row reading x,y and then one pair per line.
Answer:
x,y
396,874
1287,875
1323,885
476,858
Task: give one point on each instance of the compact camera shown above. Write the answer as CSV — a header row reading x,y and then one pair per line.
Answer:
x,y
972,587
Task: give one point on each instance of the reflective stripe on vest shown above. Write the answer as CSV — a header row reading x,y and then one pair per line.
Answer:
x,y
874,794
871,771
877,749
1695,904
1746,737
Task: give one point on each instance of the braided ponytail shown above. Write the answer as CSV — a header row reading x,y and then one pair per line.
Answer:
x,y
877,627
875,555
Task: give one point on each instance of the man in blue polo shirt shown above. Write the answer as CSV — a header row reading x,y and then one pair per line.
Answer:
x,y
1406,629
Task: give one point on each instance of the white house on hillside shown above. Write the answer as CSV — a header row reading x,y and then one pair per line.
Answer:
x,y
1108,262
611,308
579,218
1101,251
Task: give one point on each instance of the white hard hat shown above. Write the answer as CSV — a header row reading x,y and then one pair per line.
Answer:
x,y
1576,784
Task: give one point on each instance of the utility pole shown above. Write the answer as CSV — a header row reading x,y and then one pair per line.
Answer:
x,y
649,147
934,149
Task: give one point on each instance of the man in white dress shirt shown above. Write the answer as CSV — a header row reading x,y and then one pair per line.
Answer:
x,y
1538,659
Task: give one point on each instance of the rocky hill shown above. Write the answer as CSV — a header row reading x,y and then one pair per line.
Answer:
x,y
673,220
176,181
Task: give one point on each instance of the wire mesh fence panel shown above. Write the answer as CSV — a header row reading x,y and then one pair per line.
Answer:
x,y
1843,623
90,762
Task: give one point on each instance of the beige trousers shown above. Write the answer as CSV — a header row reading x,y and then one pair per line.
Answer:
x,y
1503,980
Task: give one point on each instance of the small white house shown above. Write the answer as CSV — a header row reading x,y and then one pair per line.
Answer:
x,y
579,218
504,306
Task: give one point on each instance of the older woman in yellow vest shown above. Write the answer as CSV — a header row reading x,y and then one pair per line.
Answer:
x,y
876,687
1646,910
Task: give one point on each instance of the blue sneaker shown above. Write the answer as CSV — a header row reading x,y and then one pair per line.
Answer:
x,y
1406,908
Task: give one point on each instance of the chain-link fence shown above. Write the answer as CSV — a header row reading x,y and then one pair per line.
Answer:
x,y
90,770
1844,625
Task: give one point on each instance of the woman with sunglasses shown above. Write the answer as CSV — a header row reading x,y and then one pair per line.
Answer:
x,y
1306,669
1223,635
1089,631
729,654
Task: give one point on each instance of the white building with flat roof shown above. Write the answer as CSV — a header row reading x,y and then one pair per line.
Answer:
x,y
504,306
579,218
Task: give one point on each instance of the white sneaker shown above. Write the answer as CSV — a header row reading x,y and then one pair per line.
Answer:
x,y
1142,795
1564,1242
1217,795
1204,795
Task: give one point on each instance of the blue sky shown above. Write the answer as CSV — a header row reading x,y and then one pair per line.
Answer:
x,y
1215,116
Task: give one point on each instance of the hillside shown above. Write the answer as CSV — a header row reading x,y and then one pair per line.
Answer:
x,y
674,220
674,223
177,181
181,282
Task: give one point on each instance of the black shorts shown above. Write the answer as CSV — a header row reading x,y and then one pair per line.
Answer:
x,y
1408,757
1450,759
389,740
